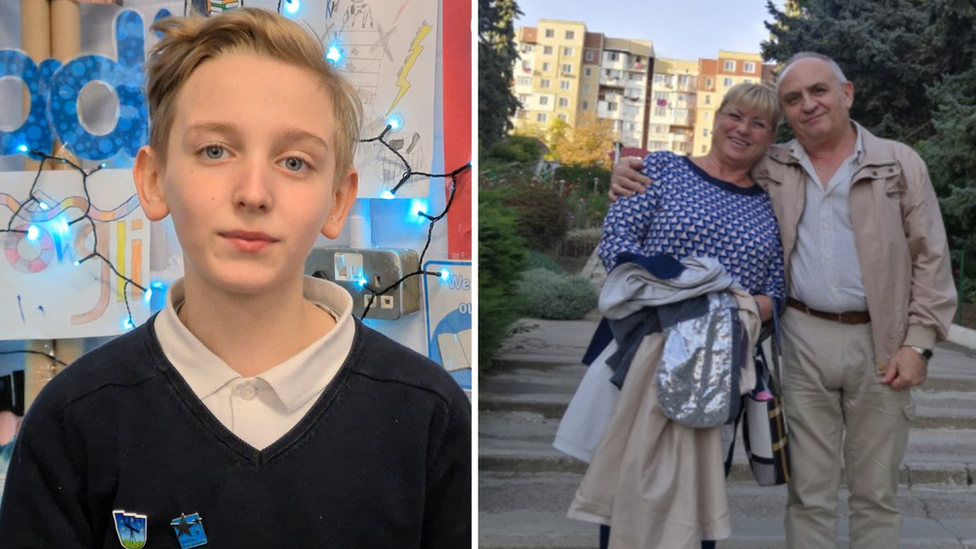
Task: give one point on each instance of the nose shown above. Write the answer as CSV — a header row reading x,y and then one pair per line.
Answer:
x,y
807,103
253,192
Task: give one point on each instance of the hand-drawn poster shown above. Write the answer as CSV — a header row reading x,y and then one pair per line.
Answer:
x,y
449,310
387,50
48,289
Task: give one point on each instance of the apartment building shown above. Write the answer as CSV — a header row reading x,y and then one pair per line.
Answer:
x,y
716,76
656,104
673,104
564,72
548,74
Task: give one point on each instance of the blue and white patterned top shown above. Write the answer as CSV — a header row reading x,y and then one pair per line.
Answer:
x,y
686,212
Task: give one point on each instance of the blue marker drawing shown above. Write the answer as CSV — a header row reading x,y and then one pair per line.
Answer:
x,y
41,309
21,307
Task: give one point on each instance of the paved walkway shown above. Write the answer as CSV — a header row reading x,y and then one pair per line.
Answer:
x,y
525,485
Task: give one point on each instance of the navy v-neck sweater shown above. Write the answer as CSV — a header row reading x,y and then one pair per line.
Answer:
x,y
382,459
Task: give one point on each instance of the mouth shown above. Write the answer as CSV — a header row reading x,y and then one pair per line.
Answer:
x,y
738,142
813,118
249,241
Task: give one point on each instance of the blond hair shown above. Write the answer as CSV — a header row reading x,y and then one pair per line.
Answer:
x,y
755,97
189,41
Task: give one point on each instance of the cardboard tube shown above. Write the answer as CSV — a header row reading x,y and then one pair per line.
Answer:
x,y
65,30
38,369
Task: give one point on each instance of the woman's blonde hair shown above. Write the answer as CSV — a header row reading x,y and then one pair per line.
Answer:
x,y
189,41
755,97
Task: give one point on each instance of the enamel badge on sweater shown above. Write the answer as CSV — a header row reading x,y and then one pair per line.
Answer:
x,y
189,530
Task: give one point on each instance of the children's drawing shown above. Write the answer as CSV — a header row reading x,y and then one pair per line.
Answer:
x,y
48,292
387,51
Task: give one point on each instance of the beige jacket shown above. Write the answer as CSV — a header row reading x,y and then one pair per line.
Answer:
x,y
899,235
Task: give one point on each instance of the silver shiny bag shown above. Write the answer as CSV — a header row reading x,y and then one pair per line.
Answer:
x,y
698,376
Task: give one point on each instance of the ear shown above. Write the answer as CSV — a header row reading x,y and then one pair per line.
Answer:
x,y
848,94
344,194
147,175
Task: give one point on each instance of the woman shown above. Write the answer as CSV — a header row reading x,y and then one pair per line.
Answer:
x,y
697,207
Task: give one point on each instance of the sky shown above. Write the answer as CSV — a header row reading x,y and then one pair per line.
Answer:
x,y
679,29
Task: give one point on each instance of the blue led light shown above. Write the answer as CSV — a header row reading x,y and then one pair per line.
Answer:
x,y
292,7
361,281
33,233
157,285
61,226
387,194
445,274
22,148
334,54
148,295
395,121
102,165
127,325
43,205
77,263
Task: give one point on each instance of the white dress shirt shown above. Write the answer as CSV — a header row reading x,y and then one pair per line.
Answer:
x,y
825,272
262,408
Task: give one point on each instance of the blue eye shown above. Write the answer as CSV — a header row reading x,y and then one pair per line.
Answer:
x,y
214,152
295,164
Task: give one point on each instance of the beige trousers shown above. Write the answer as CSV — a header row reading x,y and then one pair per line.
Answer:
x,y
834,401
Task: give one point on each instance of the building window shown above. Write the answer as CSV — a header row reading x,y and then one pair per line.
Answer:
x,y
749,67
746,81
523,98
630,126
729,65
546,67
524,81
547,50
589,55
613,56
570,35
708,115
526,66
550,33
563,102
564,84
660,111
703,149
660,79
660,96
544,83
708,99
705,132
684,79
586,88
727,82
587,71
543,100
567,68
568,52
526,48
611,106
681,113
586,105
562,117
540,117
709,83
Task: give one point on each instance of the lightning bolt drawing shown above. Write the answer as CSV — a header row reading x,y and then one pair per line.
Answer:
x,y
415,50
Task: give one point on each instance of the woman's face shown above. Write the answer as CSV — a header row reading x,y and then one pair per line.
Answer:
x,y
741,136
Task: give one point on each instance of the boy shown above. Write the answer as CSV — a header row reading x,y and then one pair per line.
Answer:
x,y
254,410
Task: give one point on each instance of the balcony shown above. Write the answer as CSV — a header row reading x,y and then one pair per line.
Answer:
x,y
603,111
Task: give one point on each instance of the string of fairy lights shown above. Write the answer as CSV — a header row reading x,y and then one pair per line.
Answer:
x,y
32,231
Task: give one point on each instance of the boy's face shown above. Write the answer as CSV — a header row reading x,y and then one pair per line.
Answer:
x,y
250,176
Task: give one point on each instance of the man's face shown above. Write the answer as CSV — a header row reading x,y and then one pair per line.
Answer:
x,y
250,175
816,105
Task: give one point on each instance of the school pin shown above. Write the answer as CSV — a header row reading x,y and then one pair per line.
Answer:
x,y
131,528
189,531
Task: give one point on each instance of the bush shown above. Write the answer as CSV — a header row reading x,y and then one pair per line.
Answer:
x,y
543,215
502,257
552,296
516,148
539,260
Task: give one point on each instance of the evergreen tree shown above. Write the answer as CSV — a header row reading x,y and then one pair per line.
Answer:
x,y
881,46
497,56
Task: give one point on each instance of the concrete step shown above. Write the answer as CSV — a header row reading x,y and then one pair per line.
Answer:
x,y
522,442
528,511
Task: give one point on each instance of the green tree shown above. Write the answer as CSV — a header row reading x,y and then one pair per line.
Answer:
x,y
497,56
883,48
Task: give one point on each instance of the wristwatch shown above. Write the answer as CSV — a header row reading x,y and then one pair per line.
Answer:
x,y
926,354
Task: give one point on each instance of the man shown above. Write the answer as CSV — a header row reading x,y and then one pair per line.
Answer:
x,y
870,291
